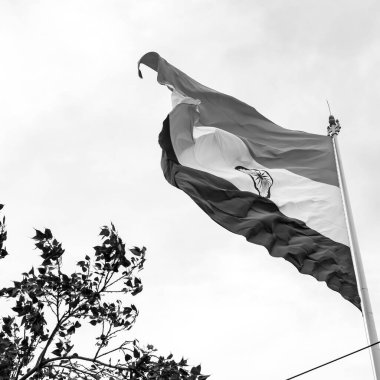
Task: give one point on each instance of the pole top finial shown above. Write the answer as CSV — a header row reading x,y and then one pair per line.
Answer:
x,y
334,126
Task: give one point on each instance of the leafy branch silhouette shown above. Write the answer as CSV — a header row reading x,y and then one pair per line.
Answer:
x,y
37,341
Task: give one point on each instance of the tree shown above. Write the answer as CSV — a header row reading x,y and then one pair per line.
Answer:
x,y
36,342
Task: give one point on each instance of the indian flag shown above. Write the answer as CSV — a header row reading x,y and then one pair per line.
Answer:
x,y
277,187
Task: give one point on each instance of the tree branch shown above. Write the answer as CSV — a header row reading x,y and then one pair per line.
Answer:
x,y
72,368
71,357
101,345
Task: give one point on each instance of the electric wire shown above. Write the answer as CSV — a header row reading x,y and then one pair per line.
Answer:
x,y
332,361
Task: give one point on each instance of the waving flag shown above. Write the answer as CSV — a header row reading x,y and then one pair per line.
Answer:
x,y
277,187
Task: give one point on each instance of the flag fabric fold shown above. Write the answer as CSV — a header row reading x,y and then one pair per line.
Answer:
x,y
276,187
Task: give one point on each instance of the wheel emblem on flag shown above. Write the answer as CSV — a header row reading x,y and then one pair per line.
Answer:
x,y
261,180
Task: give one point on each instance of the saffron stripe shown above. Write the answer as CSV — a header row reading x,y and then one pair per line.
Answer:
x,y
306,154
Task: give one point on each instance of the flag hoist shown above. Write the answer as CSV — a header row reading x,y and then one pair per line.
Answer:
x,y
333,130
279,188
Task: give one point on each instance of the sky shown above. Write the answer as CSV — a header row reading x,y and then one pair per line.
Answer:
x,y
78,148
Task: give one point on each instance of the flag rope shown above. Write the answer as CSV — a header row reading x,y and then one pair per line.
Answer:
x,y
332,361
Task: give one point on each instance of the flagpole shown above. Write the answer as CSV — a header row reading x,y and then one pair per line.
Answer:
x,y
369,322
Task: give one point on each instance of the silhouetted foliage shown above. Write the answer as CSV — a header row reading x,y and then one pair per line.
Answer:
x,y
36,342
3,236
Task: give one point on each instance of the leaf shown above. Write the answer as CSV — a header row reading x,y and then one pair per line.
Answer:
x,y
3,253
105,232
136,251
136,354
48,233
94,311
196,370
137,290
39,235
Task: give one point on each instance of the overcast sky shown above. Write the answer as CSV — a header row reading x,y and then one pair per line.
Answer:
x,y
78,148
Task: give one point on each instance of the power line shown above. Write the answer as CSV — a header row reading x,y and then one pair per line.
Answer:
x,y
332,361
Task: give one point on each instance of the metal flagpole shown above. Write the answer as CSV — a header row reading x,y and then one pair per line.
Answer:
x,y
369,322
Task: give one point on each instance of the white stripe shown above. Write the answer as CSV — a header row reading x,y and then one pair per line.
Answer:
x,y
218,152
